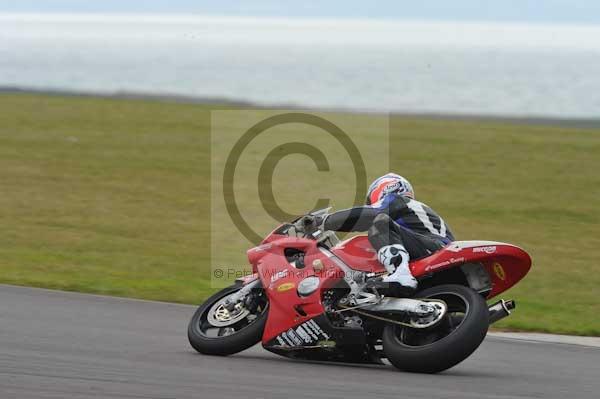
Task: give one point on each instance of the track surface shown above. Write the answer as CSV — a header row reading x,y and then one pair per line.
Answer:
x,y
66,345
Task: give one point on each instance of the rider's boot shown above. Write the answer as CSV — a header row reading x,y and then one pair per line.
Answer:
x,y
395,260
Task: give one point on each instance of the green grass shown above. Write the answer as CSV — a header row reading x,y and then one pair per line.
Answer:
x,y
112,197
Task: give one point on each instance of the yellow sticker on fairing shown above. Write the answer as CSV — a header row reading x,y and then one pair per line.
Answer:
x,y
285,287
499,271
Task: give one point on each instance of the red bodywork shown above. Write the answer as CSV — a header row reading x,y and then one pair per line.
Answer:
x,y
506,264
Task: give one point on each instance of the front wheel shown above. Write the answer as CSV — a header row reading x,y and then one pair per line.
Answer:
x,y
446,344
216,330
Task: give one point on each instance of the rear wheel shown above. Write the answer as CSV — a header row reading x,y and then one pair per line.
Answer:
x,y
217,330
446,344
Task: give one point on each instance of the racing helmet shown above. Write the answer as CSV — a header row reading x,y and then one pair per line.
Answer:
x,y
390,183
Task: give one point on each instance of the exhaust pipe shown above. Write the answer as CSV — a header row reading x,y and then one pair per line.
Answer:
x,y
501,309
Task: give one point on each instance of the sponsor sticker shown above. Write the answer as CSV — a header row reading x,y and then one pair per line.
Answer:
x,y
499,271
391,188
303,335
285,287
316,329
488,250
444,263
291,335
306,333
278,276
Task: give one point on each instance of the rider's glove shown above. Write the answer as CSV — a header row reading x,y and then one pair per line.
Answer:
x,y
310,224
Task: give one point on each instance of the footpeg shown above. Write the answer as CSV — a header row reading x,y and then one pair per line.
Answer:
x,y
376,283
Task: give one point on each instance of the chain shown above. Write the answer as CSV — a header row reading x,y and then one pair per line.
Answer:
x,y
400,323
354,309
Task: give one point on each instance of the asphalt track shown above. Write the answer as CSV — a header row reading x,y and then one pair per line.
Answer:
x,y
66,345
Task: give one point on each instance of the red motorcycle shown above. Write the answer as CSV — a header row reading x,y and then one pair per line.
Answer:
x,y
310,298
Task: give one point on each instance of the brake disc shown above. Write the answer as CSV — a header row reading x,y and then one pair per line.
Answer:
x,y
220,316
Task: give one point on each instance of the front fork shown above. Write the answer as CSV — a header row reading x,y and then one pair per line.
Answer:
x,y
240,296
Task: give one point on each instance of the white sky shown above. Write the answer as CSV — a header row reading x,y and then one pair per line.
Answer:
x,y
548,11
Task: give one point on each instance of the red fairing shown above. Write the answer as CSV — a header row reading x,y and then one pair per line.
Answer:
x,y
281,278
505,263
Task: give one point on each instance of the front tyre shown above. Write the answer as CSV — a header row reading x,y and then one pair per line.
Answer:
x,y
446,344
215,330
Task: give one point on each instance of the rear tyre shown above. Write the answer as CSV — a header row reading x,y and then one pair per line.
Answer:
x,y
446,344
235,331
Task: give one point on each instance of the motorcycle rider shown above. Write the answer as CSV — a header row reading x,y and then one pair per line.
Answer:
x,y
399,227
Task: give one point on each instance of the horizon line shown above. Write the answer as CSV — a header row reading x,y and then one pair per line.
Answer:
x,y
224,101
196,16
